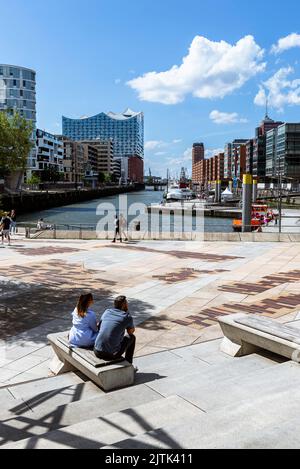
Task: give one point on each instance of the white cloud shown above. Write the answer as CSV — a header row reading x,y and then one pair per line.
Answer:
x,y
117,81
187,155
160,153
210,70
226,118
154,144
286,43
279,90
212,152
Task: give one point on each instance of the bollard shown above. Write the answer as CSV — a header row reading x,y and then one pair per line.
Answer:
x,y
230,185
247,203
218,191
254,191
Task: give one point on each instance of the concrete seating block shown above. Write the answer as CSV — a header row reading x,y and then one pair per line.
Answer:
x,y
246,334
107,375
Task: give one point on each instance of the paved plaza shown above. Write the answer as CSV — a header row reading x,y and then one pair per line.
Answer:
x,y
177,290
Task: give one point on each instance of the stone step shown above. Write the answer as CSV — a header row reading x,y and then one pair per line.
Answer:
x,y
31,388
16,421
93,434
188,375
267,420
40,420
214,395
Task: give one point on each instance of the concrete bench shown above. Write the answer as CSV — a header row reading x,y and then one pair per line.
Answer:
x,y
108,375
247,333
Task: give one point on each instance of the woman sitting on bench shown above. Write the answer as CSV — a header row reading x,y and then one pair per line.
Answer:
x,y
85,328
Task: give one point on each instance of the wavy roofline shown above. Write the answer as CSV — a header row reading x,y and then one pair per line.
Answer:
x,y
110,115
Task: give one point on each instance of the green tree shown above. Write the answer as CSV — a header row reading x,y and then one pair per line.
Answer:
x,y
101,178
15,142
34,180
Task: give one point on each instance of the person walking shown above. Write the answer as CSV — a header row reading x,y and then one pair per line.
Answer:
x,y
112,342
123,227
5,227
13,225
117,230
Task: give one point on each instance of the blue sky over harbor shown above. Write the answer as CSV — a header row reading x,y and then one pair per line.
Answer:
x,y
199,70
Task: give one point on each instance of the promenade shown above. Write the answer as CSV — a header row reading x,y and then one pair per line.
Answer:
x,y
176,291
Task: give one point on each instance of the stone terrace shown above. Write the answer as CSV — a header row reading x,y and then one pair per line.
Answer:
x,y
176,291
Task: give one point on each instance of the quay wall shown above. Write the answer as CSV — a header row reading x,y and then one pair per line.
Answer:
x,y
146,236
28,202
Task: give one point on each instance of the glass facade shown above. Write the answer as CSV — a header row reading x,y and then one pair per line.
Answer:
x,y
283,152
17,91
126,130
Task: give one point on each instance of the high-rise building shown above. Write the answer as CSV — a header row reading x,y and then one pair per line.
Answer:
x,y
126,130
249,156
283,152
18,93
227,160
197,156
259,148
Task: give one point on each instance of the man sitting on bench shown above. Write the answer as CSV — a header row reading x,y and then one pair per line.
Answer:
x,y
112,342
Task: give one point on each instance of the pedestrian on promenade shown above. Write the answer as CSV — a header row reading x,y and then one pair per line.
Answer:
x,y
123,227
13,225
4,228
112,341
117,230
85,327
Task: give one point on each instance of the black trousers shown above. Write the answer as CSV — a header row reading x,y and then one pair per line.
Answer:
x,y
127,347
117,233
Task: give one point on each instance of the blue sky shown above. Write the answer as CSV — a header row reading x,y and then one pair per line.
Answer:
x,y
95,55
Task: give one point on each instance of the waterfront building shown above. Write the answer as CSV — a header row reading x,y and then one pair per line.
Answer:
x,y
227,160
135,169
18,93
126,130
249,156
238,158
259,148
283,152
105,154
91,174
49,153
198,153
73,161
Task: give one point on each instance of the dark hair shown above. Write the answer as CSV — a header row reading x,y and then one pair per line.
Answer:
x,y
83,304
119,302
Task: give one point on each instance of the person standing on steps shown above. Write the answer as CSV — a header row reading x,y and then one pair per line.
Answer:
x,y
117,230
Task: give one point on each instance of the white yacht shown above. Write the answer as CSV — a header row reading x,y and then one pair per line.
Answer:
x,y
176,193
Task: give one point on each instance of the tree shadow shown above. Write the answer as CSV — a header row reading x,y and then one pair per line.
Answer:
x,y
40,294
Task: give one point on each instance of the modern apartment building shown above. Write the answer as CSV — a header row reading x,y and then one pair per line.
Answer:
x,y
18,93
105,154
49,153
73,161
249,156
283,152
259,149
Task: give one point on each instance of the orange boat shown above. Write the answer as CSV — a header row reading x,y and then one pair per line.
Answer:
x,y
261,216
